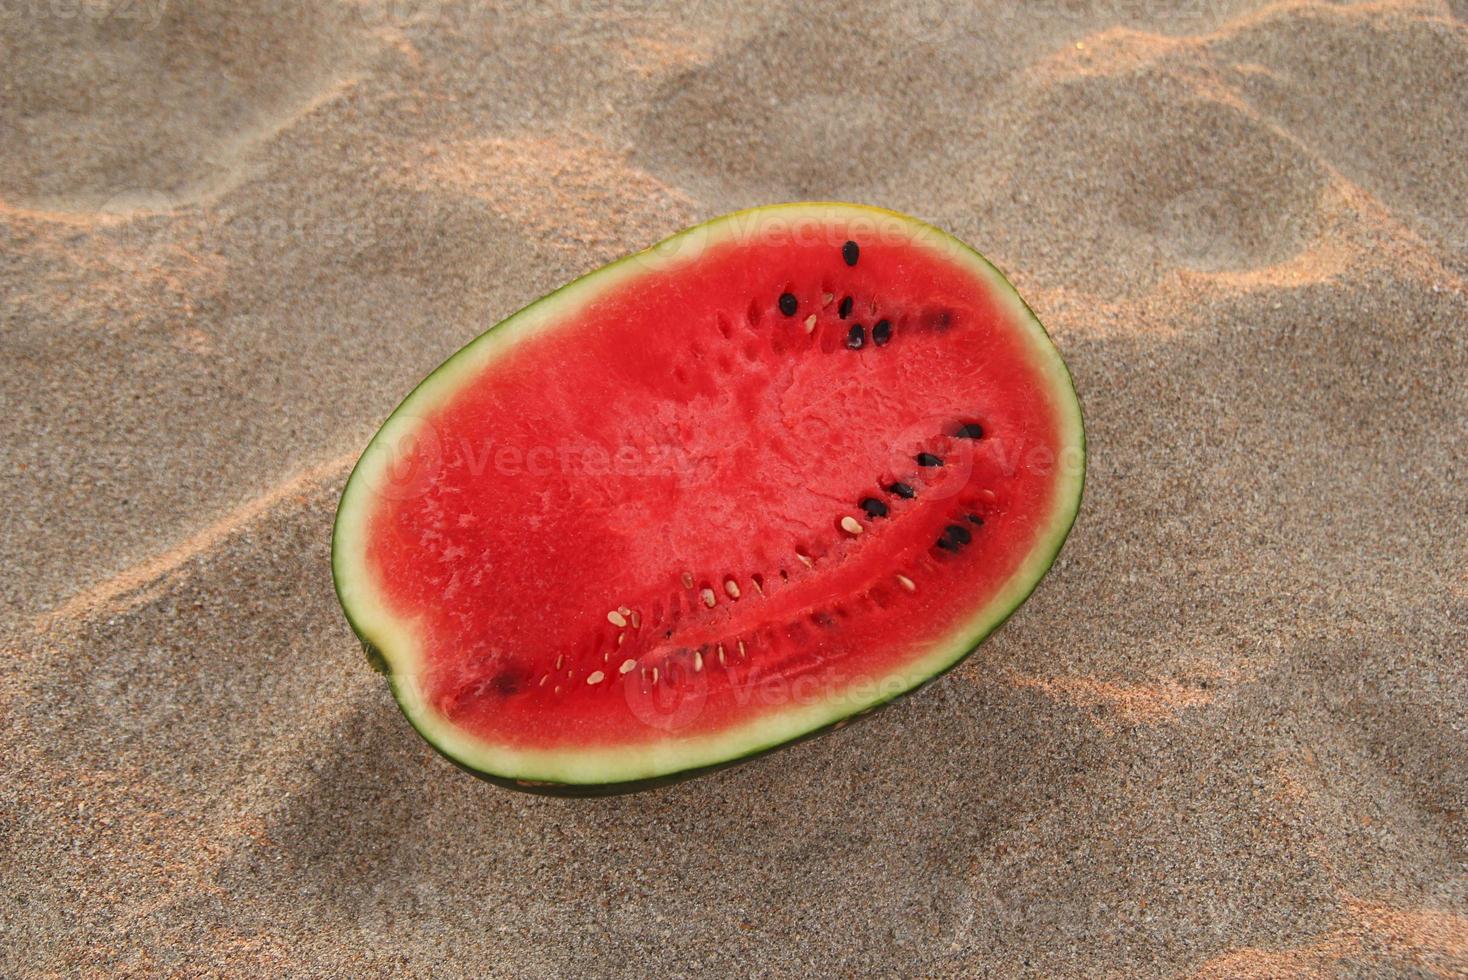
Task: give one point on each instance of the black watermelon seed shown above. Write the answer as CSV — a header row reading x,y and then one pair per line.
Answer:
x,y
882,332
975,519
873,507
928,459
851,252
788,305
901,489
845,308
856,337
948,544
970,431
958,533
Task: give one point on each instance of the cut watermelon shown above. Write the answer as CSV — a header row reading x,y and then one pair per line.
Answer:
x,y
710,499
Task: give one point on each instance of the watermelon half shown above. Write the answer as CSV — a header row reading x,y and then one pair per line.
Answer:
x,y
710,499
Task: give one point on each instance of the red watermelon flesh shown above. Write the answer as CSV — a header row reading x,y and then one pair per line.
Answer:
x,y
710,499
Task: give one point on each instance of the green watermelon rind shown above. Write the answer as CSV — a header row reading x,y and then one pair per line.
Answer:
x,y
577,776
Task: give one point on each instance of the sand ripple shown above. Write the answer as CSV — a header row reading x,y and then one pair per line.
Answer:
x,y
1224,739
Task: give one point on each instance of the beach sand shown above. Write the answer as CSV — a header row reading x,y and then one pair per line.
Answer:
x,y
1225,738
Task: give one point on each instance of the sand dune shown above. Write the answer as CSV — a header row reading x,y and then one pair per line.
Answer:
x,y
1224,739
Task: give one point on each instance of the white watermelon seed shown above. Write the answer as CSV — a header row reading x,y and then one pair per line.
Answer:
x,y
850,525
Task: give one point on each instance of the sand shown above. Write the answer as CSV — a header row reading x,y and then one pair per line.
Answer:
x,y
1226,737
